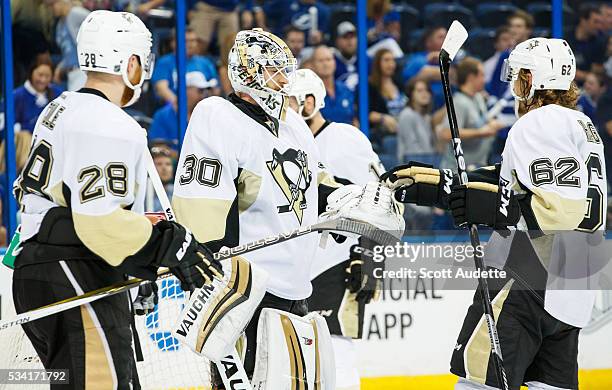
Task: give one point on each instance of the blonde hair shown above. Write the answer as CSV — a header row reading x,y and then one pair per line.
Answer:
x,y
543,97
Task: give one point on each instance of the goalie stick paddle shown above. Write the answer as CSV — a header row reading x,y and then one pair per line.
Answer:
x,y
455,37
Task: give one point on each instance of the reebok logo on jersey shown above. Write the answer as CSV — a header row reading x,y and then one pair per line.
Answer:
x,y
307,341
505,196
181,252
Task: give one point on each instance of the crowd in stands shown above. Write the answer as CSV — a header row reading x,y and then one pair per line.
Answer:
x,y
407,117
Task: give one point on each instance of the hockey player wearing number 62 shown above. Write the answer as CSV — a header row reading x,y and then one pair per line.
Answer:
x,y
341,283
552,179
82,201
250,168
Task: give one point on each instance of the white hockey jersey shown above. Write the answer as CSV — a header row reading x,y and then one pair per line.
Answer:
x,y
239,180
87,155
347,155
556,154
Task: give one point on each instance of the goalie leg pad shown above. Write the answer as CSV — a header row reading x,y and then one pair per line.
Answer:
x,y
293,352
212,321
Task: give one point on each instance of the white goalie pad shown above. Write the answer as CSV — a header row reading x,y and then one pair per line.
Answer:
x,y
216,315
293,352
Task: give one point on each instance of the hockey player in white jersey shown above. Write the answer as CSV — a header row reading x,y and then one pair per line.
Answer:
x,y
341,286
81,195
254,167
551,181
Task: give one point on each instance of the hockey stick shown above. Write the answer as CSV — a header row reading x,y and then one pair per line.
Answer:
x,y
455,37
340,225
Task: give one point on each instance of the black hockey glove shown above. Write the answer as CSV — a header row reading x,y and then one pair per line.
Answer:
x,y
420,184
360,272
190,261
147,298
482,204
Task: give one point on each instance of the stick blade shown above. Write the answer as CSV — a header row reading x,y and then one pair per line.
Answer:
x,y
455,37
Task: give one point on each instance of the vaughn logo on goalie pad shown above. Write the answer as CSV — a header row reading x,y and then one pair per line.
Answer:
x,y
217,313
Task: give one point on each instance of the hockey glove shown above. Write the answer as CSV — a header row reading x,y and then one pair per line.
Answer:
x,y
481,203
147,299
420,184
360,272
190,261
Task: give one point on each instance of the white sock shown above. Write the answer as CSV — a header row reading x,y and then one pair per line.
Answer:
x,y
465,384
542,386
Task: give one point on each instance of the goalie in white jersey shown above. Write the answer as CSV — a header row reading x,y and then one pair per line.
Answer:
x,y
250,168
551,182
82,200
342,285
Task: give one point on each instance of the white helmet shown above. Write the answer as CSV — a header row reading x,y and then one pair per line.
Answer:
x,y
551,62
254,51
107,40
306,82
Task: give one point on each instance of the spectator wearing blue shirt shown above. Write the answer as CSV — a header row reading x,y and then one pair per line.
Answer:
x,y
588,42
70,19
345,53
32,97
221,16
164,129
424,64
165,77
340,101
298,14
593,88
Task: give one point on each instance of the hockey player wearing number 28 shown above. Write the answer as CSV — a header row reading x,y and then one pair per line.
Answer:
x,y
249,168
82,200
552,179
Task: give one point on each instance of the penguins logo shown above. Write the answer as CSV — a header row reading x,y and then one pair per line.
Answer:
x,y
290,171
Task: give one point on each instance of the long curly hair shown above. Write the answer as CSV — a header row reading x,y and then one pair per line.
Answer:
x,y
567,99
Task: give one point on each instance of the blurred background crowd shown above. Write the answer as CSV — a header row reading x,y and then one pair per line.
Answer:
x,y
406,105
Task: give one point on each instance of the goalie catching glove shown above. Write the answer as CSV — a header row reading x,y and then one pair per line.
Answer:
x,y
420,184
372,203
483,204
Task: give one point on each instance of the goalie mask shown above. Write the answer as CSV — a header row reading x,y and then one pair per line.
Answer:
x,y
551,62
306,82
106,41
261,65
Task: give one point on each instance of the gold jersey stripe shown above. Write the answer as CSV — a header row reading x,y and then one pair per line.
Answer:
x,y
554,212
206,218
113,236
